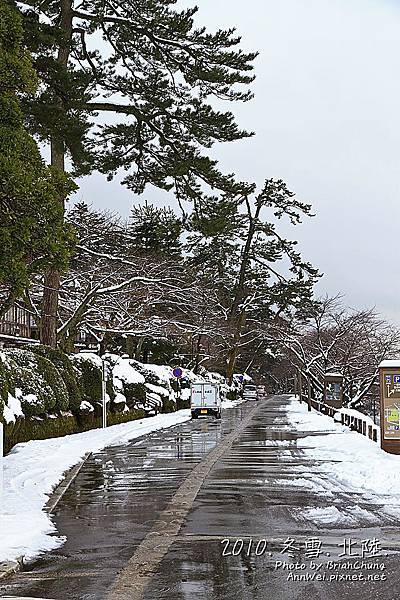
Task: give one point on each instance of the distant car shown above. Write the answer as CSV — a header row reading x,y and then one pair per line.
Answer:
x,y
250,392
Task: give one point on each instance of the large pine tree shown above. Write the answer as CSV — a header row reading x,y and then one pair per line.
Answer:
x,y
32,232
259,274
139,103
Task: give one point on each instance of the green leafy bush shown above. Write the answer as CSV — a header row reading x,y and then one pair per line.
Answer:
x,y
42,389
89,377
232,394
135,393
149,375
64,366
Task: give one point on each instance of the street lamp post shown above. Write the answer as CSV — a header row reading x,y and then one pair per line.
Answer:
x,y
104,389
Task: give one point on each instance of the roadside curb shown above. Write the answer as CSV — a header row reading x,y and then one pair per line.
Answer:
x,y
64,485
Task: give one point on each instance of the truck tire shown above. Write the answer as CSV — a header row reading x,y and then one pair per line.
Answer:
x,y
194,415
218,415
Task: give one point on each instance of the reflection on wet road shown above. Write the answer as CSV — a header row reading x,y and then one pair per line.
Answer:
x,y
111,506
251,494
257,490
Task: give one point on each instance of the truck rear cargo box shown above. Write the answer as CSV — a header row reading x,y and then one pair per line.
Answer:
x,y
205,400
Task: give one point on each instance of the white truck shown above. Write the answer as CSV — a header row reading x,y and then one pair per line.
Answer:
x,y
205,400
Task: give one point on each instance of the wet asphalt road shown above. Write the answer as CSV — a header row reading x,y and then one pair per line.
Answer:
x,y
249,495
111,506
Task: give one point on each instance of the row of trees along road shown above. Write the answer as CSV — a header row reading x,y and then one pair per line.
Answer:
x,y
226,272
327,336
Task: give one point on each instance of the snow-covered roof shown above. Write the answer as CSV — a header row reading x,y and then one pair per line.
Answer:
x,y
385,364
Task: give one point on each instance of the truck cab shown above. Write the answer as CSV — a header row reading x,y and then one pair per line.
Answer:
x,y
205,400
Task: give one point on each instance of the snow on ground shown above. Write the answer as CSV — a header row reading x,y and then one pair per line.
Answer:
x,y
348,462
232,403
33,469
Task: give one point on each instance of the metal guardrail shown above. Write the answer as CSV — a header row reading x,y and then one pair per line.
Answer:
x,y
354,423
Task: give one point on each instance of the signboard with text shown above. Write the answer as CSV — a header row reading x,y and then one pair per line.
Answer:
x,y
391,406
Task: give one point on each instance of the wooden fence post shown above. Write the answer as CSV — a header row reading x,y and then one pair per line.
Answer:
x,y
309,393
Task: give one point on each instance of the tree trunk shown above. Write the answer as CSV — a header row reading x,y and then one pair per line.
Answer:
x,y
198,350
48,328
139,347
231,364
234,350
49,322
49,319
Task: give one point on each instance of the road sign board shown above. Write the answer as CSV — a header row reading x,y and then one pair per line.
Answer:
x,y
177,372
241,378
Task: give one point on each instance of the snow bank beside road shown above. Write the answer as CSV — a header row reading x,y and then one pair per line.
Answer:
x,y
32,470
349,463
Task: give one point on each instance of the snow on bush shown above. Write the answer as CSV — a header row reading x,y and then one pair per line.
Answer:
x,y
13,409
125,372
40,381
88,368
86,406
41,389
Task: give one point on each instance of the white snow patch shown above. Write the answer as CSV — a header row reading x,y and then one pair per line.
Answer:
x,y
88,356
124,371
119,398
348,462
157,389
12,409
329,515
85,405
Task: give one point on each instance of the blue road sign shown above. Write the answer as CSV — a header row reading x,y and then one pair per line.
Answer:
x,y
241,378
177,372
396,378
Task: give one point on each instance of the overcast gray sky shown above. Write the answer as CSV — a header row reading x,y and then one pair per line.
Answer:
x,y
327,117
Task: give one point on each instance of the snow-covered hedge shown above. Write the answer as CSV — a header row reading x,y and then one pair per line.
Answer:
x,y
34,382
64,366
45,393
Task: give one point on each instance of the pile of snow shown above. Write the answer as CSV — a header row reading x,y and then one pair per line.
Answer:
x,y
346,462
88,356
356,414
163,372
85,405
